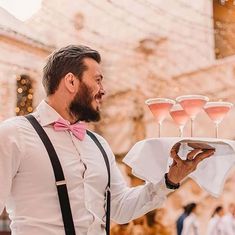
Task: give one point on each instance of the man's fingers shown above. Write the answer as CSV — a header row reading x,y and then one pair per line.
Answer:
x,y
205,154
173,164
174,152
193,153
176,147
197,145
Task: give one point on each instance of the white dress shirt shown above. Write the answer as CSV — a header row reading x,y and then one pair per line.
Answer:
x,y
154,165
215,226
228,224
190,225
27,183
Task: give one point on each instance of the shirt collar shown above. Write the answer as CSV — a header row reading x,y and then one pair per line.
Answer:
x,y
47,115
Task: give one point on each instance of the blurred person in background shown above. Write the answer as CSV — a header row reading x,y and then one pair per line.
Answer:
x,y
138,230
139,226
4,223
229,221
150,219
191,225
180,220
215,225
161,227
121,229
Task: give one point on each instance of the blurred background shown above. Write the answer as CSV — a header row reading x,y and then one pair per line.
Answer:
x,y
149,48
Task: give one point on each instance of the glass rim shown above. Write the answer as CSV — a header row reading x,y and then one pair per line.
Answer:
x,y
159,100
218,103
191,97
176,107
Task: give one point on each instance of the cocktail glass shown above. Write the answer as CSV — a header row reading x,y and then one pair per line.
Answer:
x,y
160,107
180,117
217,111
192,104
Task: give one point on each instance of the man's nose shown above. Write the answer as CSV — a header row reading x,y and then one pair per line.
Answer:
x,y
102,90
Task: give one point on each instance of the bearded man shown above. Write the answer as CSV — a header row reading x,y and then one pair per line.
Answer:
x,y
57,177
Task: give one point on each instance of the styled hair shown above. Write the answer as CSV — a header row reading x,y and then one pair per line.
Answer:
x,y
69,59
150,216
189,208
217,210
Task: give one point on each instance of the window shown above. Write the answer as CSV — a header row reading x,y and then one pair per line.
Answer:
x,y
24,103
224,26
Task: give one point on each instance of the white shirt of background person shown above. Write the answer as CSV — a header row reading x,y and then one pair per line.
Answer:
x,y
229,221
190,225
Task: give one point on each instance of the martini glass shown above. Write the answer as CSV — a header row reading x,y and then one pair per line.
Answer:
x,y
180,117
217,111
192,105
160,107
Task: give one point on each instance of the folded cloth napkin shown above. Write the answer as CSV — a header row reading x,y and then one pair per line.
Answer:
x,y
150,160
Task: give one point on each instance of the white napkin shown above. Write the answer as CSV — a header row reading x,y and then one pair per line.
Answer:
x,y
150,160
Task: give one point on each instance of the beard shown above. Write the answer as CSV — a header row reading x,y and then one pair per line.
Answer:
x,y
81,106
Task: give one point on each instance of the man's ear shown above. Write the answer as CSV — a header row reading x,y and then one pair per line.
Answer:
x,y
71,82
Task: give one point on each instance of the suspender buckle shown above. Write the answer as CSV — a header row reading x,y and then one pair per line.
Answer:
x,y
108,189
59,183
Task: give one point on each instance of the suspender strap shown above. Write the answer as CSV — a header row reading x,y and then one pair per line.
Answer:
x,y
59,177
60,180
108,192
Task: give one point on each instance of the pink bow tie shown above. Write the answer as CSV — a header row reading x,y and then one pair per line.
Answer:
x,y
78,129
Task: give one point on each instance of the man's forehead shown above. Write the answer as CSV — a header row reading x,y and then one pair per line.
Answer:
x,y
92,64
93,67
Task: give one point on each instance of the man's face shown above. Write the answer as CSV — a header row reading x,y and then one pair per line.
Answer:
x,y
221,213
87,102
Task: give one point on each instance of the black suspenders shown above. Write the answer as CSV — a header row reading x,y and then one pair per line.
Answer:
x,y
108,192
61,182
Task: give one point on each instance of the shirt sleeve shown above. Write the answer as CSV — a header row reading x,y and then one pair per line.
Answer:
x,y
9,159
130,203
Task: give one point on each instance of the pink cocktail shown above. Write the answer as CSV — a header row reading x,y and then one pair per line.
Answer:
x,y
192,104
160,107
217,111
179,116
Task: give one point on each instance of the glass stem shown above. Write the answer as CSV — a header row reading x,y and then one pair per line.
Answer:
x,y
216,130
192,126
159,129
181,130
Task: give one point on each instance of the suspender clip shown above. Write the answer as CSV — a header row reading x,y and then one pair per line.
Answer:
x,y
108,189
61,182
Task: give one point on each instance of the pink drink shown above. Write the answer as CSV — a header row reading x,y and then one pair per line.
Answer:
x,y
192,106
180,117
217,113
160,110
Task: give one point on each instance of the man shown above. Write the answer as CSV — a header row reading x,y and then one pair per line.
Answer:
x,y
72,79
228,220
182,217
190,224
215,225
4,224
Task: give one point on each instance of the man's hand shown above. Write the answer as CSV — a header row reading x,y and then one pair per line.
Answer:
x,y
182,168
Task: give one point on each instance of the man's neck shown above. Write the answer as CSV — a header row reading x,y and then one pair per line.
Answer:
x,y
62,108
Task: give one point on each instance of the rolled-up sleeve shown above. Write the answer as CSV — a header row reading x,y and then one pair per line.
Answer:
x,y
10,152
128,203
